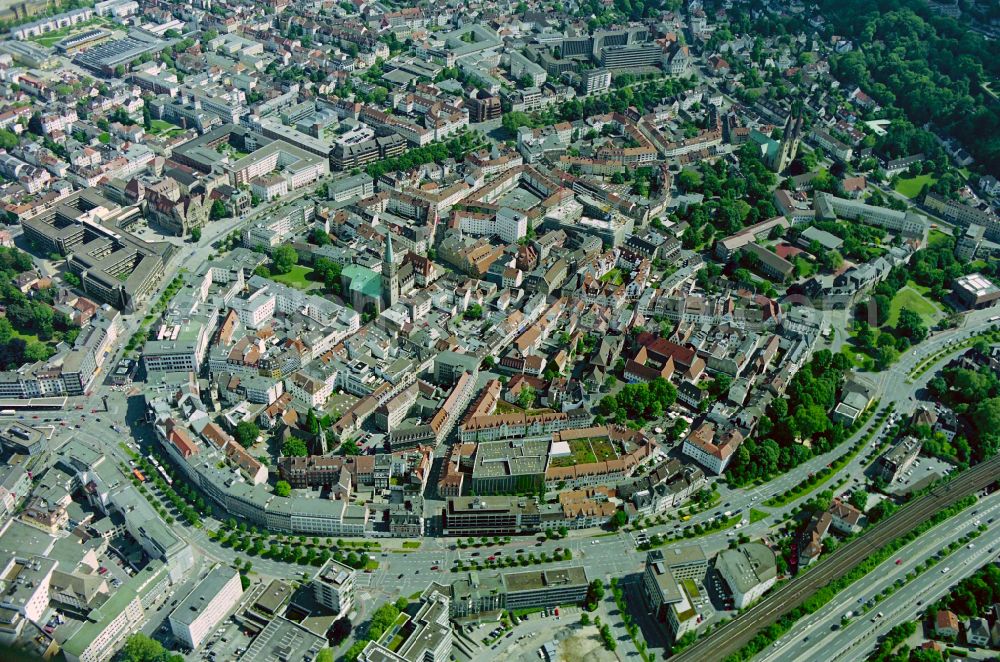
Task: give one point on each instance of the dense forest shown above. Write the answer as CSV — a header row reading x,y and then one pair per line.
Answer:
x,y
932,68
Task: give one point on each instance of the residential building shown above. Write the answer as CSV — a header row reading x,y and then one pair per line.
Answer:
x,y
946,624
107,627
969,242
896,461
210,602
712,448
977,631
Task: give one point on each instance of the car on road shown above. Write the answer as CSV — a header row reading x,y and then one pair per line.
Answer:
x,y
899,561
944,571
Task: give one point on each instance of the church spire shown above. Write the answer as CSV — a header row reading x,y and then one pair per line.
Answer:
x,y
387,258
390,281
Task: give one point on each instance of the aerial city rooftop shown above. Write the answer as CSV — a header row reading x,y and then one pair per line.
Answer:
x,y
427,331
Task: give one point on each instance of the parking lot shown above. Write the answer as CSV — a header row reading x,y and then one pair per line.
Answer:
x,y
114,569
227,642
921,469
523,640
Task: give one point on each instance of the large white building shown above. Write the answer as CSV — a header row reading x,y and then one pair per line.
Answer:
x,y
297,166
596,81
749,571
308,389
178,346
255,309
906,222
333,586
509,224
194,618
521,66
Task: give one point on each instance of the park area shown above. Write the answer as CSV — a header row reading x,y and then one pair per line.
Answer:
x,y
911,297
164,128
297,277
911,186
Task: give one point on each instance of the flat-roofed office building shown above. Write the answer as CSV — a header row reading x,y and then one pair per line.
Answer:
x,y
207,604
545,588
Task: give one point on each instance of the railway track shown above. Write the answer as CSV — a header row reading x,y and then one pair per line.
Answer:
x,y
742,629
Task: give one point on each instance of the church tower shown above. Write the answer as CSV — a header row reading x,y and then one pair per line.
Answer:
x,y
390,282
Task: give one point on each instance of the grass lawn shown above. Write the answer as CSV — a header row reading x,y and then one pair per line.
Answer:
x,y
910,186
504,407
297,277
614,277
857,358
913,300
757,515
25,336
603,449
162,127
922,289
936,237
580,453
